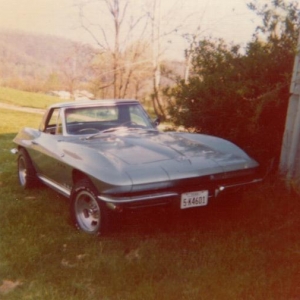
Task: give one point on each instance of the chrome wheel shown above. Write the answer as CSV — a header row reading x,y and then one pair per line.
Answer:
x,y
26,171
22,171
87,212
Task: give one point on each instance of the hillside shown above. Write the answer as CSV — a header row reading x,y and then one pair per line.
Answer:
x,y
43,63
27,58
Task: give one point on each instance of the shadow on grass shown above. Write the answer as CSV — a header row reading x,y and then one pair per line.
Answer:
x,y
7,137
220,211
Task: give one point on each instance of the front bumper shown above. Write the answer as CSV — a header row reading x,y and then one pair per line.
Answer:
x,y
161,198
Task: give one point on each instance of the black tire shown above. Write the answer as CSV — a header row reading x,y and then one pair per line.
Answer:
x,y
87,212
26,172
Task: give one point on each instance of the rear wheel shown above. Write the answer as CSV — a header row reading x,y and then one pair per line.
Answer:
x,y
26,171
88,213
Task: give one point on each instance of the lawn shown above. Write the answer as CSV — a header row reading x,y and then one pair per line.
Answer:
x,y
28,99
243,247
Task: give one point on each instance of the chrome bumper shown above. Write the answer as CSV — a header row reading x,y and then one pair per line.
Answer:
x,y
223,188
119,200
167,195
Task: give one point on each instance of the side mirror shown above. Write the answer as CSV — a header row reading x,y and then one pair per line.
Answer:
x,y
156,122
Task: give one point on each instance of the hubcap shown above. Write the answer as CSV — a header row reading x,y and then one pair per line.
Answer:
x,y
87,212
22,171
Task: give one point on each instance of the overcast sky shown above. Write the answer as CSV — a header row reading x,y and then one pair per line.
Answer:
x,y
227,19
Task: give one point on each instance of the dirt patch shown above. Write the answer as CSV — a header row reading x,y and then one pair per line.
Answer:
x,y
8,286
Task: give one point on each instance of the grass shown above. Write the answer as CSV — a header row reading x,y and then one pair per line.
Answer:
x,y
28,99
235,248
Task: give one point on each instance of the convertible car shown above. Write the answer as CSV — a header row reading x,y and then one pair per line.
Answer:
x,y
108,156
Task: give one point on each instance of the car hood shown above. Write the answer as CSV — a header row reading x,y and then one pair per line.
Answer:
x,y
154,147
154,156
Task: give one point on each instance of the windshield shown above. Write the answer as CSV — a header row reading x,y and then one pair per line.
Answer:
x,y
90,120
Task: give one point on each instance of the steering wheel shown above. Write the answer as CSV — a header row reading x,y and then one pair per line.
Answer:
x,y
88,130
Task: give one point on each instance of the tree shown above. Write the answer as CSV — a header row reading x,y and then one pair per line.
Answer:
x,y
243,97
75,66
115,30
124,32
161,30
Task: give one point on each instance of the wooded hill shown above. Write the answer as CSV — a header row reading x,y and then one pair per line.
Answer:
x,y
34,62
41,63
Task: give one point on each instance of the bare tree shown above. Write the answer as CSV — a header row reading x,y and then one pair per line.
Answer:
x,y
156,57
124,31
113,33
75,66
162,27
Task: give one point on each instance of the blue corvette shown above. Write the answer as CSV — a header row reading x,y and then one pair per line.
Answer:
x,y
108,156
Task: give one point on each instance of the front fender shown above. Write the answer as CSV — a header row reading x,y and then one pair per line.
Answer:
x,y
216,143
25,136
104,172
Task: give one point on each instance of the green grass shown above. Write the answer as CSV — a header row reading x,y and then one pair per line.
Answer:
x,y
235,248
28,99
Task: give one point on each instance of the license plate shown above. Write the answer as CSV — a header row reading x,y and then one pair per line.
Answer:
x,y
194,199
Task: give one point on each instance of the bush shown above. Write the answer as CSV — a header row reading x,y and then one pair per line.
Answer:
x,y
242,97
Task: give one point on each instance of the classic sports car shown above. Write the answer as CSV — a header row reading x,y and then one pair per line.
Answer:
x,y
108,156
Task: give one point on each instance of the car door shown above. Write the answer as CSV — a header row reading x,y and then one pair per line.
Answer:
x,y
46,151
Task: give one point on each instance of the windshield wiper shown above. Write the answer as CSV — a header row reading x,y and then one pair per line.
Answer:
x,y
104,131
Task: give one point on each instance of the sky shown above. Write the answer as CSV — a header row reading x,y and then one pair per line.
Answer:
x,y
227,19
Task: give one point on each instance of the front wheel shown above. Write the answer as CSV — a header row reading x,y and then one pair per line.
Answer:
x,y
87,212
26,171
